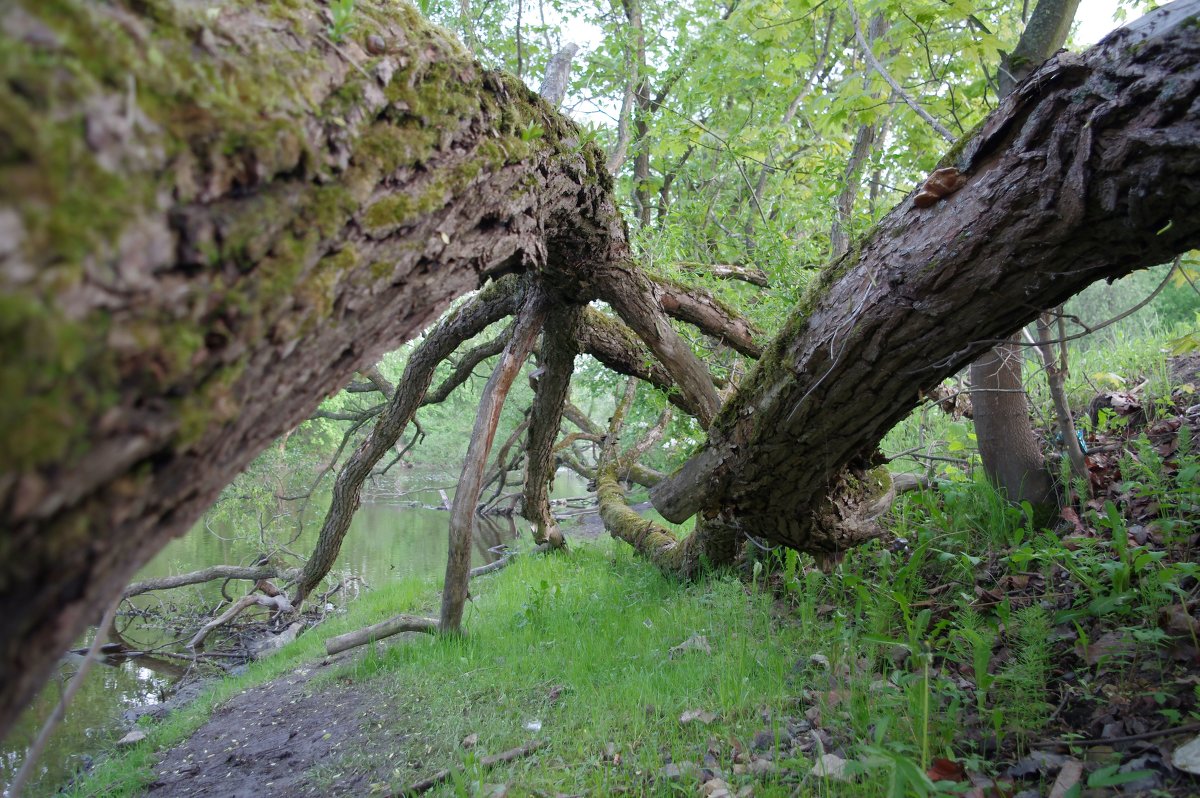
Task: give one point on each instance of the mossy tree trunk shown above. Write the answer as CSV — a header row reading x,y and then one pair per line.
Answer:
x,y
209,222
194,257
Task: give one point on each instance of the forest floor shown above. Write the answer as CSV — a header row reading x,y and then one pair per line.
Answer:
x,y
969,652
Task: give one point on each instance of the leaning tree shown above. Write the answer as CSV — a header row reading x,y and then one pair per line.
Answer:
x,y
210,220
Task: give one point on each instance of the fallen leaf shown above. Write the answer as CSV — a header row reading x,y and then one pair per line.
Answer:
x,y
1068,777
946,770
1187,757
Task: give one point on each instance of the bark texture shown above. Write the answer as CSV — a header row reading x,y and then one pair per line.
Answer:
x,y
466,497
550,396
499,299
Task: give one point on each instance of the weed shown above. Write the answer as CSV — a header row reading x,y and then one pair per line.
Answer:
x,y
342,12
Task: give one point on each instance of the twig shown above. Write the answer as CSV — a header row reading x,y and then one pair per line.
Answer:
x,y
39,745
487,762
891,81
1129,738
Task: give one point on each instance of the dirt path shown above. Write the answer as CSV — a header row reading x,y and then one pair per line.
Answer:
x,y
288,737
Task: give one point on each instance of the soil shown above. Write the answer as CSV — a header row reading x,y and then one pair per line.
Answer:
x,y
288,737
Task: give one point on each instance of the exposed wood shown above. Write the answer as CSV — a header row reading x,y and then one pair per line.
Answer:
x,y
392,626
466,497
278,603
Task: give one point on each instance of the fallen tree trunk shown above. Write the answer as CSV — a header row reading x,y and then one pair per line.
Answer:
x,y
369,634
278,603
1089,170
192,259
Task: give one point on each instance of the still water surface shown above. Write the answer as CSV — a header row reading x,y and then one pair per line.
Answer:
x,y
386,542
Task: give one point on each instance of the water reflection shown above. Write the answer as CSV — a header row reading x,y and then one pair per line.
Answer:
x,y
386,542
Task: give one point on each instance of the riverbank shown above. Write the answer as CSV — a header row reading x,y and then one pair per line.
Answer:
x,y
594,653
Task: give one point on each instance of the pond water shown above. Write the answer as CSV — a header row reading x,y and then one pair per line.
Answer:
x,y
386,542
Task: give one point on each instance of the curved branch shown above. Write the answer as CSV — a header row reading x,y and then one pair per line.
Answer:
x,y
466,496
249,573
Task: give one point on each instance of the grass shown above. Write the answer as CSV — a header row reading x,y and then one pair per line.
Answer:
x,y
970,634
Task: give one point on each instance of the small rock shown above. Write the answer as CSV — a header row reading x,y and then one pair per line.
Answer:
x,y
697,716
693,643
674,771
470,740
830,766
1187,757
133,738
715,788
763,740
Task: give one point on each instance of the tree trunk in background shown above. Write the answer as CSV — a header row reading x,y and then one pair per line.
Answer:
x,y
860,153
160,329
1009,448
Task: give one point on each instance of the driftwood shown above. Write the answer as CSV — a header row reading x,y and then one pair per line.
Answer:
x,y
487,762
392,626
249,573
278,603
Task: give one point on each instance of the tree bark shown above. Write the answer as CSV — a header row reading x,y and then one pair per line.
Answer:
x,y
550,395
162,328
496,301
